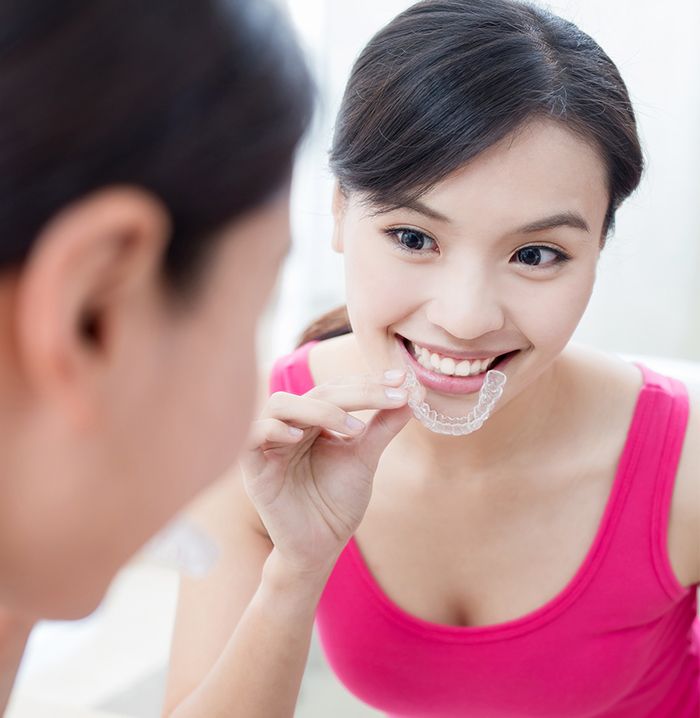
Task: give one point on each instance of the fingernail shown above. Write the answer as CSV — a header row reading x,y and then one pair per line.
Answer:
x,y
394,374
294,431
395,394
354,424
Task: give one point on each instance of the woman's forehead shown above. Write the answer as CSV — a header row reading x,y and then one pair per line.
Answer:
x,y
541,171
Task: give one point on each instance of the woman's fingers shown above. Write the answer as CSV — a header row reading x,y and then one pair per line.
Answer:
x,y
286,417
264,436
328,406
366,392
303,412
272,432
381,429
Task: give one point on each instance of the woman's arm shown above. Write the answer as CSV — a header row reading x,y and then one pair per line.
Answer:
x,y
242,633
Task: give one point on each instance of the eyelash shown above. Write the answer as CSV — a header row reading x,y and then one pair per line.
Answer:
x,y
393,233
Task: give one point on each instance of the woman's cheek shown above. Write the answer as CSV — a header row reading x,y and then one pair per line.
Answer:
x,y
550,322
378,288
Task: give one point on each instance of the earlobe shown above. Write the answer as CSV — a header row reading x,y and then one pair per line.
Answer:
x,y
338,207
86,273
337,240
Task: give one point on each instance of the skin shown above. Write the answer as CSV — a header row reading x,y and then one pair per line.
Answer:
x,y
109,431
448,526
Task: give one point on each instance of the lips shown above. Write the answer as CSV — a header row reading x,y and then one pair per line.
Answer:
x,y
449,384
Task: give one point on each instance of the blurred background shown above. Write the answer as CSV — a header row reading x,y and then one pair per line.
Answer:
x,y
646,303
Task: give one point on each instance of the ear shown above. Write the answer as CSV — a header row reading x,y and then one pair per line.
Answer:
x,y
89,272
338,206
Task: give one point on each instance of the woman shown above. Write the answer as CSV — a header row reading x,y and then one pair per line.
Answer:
x,y
145,164
545,564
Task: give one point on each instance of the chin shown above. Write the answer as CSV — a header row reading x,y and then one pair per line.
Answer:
x,y
74,593
75,602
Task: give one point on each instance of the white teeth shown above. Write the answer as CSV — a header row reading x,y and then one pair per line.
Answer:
x,y
462,369
448,365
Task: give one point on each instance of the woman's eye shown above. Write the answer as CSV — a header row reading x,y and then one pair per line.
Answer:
x,y
411,240
534,256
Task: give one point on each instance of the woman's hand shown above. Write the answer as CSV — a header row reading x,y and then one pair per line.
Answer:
x,y
309,465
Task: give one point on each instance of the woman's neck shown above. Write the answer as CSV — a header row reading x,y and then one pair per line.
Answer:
x,y
14,631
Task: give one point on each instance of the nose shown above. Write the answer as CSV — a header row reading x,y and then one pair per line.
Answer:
x,y
466,303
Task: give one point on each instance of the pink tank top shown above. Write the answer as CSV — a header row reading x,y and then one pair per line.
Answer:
x,y
621,640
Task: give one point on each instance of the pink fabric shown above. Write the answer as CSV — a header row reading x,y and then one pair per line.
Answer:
x,y
619,641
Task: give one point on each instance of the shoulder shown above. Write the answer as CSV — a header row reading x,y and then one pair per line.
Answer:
x,y
290,372
316,363
618,383
336,358
605,387
684,519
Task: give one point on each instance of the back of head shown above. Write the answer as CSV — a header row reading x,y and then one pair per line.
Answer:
x,y
202,102
134,136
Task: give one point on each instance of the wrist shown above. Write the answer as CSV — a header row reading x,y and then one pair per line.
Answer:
x,y
283,575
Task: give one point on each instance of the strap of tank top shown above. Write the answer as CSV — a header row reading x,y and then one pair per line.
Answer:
x,y
670,418
291,372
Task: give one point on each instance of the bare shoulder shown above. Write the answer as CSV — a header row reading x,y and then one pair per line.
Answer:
x,y
605,381
335,358
618,382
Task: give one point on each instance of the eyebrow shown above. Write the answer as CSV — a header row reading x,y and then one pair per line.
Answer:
x,y
561,219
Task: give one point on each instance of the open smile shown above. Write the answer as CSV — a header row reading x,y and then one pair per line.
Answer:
x,y
451,372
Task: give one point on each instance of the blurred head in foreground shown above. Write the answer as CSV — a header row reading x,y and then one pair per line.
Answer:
x,y
145,159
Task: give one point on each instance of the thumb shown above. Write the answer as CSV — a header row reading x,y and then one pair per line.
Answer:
x,y
380,430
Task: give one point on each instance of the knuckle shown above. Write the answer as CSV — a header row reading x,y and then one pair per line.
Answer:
x,y
335,416
271,427
319,392
276,402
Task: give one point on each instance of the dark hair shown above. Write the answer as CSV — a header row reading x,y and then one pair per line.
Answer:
x,y
201,102
447,79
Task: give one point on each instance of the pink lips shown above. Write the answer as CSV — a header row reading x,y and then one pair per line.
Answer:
x,y
447,384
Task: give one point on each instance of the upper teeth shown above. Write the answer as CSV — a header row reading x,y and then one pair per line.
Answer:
x,y
448,365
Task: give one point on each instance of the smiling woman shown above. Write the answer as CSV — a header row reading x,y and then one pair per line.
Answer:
x,y
545,564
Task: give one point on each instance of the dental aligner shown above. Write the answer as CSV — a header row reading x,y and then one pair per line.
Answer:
x,y
490,393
